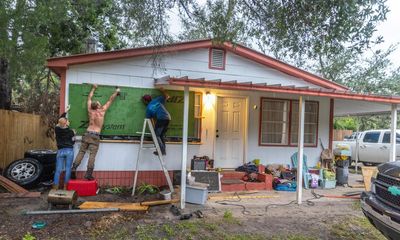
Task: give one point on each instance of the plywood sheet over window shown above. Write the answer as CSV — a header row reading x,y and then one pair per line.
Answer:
x,y
279,122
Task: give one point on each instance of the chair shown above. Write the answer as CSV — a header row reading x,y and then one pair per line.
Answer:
x,y
306,174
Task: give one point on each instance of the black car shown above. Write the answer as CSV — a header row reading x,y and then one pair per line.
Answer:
x,y
36,166
381,205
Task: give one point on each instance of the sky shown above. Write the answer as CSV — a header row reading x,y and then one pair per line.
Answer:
x,y
390,30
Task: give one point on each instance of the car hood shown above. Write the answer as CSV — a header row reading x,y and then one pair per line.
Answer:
x,y
391,169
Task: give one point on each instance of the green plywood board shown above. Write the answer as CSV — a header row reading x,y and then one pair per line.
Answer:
x,y
126,115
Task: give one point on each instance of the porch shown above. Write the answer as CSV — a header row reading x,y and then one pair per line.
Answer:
x,y
341,102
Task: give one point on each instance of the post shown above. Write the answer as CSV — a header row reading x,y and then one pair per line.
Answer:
x,y
184,145
357,145
393,127
300,150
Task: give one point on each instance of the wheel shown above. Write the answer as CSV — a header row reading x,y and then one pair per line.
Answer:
x,y
24,171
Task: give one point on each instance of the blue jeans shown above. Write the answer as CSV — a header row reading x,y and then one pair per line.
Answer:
x,y
65,157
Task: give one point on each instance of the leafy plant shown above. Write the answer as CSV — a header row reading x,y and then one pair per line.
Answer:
x,y
147,188
28,236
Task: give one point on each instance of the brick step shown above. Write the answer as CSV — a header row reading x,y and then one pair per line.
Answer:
x,y
233,175
245,186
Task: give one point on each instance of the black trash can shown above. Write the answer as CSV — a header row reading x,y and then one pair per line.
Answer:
x,y
342,175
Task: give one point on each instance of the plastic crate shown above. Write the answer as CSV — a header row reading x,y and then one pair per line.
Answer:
x,y
196,195
328,184
83,187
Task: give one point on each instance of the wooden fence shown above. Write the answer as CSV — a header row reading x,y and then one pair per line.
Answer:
x,y
20,132
338,135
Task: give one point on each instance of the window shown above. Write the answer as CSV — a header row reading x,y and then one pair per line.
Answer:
x,y
217,59
386,138
310,123
198,114
279,122
371,137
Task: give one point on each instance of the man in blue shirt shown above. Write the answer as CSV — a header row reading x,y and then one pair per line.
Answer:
x,y
156,110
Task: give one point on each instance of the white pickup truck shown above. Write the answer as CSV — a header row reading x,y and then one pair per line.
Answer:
x,y
373,146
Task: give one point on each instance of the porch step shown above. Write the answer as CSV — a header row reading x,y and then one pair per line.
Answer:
x,y
231,181
232,175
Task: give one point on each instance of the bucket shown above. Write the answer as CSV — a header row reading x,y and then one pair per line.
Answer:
x,y
367,173
166,194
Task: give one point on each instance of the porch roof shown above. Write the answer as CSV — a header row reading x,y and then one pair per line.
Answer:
x,y
347,102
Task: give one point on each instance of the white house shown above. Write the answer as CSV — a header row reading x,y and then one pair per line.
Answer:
x,y
249,107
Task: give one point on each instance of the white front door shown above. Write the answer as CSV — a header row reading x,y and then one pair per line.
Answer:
x,y
229,147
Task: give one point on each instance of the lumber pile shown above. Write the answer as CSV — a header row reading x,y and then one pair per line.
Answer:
x,y
11,186
15,190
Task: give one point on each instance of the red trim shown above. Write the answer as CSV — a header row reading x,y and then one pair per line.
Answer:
x,y
299,91
290,124
331,114
209,59
62,90
65,62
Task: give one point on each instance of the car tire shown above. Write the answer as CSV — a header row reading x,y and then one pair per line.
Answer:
x,y
24,171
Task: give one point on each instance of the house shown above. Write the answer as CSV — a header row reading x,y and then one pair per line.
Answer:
x,y
247,105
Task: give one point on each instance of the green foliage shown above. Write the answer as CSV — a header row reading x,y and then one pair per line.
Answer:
x,y
345,123
28,236
147,188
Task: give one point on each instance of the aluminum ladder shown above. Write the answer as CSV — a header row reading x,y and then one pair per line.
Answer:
x,y
148,123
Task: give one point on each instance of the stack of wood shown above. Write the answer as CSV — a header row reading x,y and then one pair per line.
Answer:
x,y
15,190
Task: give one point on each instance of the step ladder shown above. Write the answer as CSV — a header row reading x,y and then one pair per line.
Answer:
x,y
156,146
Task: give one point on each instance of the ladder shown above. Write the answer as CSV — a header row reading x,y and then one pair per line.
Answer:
x,y
148,123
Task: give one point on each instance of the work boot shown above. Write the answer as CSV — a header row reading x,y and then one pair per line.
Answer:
x,y
88,175
73,170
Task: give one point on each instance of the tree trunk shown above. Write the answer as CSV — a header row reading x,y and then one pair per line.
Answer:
x,y
5,90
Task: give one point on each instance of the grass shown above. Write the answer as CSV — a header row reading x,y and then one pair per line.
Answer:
x,y
356,205
357,228
229,218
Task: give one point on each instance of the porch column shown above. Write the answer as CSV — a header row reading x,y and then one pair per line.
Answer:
x,y
184,145
300,150
393,133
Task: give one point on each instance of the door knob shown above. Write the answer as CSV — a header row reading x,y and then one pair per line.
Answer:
x,y
217,136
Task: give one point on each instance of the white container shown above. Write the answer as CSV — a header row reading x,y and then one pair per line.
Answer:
x,y
196,195
166,194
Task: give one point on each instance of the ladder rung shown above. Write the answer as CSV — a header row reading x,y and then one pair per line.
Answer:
x,y
148,148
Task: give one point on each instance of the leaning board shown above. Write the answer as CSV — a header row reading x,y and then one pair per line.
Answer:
x,y
126,115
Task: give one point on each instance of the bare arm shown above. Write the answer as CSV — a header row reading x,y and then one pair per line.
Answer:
x,y
89,101
111,99
165,93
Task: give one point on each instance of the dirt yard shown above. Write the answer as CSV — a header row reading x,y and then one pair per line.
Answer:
x,y
249,217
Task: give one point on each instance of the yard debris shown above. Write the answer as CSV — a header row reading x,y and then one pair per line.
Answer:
x,y
94,210
20,195
11,186
121,206
159,202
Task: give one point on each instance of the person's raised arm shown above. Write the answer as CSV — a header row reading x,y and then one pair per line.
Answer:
x,y
89,101
165,93
111,99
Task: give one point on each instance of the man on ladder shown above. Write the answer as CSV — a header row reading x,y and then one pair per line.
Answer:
x,y
156,110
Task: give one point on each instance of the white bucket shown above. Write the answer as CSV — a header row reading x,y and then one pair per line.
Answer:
x,y
166,194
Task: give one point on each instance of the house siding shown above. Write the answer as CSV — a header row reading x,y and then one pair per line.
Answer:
x,y
139,72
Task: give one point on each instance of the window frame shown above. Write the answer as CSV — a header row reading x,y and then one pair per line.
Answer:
x,y
290,124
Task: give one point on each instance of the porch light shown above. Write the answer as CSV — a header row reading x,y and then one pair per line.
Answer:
x,y
209,100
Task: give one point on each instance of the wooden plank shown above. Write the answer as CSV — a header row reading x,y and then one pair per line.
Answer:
x,y
121,206
11,186
20,195
159,202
